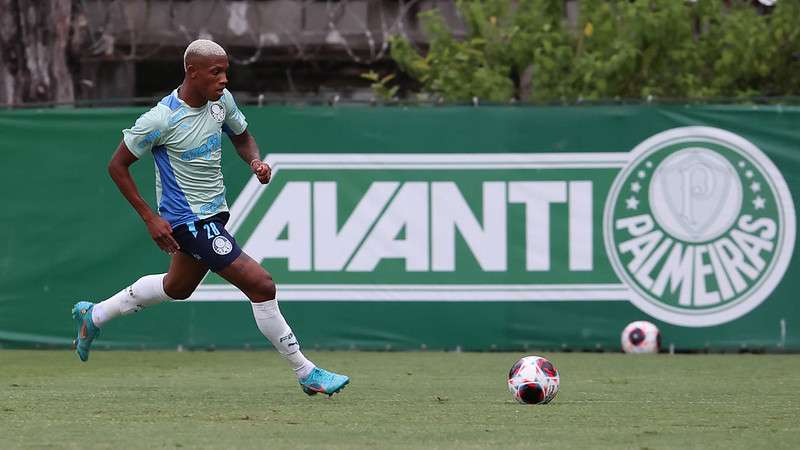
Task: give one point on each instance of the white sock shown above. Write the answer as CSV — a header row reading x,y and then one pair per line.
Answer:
x,y
274,327
146,291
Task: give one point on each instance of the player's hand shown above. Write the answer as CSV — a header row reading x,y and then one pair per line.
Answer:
x,y
262,170
161,232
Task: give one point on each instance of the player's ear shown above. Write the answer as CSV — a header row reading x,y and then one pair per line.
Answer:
x,y
191,71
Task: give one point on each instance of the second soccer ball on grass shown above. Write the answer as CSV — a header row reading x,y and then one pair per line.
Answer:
x,y
641,337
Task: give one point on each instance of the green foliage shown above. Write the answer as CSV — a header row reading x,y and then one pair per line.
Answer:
x,y
756,55
380,85
619,49
476,66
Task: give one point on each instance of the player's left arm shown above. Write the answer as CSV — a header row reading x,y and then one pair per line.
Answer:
x,y
247,149
235,126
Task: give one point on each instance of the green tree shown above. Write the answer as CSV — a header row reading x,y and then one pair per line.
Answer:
x,y
619,49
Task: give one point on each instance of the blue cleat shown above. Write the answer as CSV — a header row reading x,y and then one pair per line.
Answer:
x,y
324,382
86,329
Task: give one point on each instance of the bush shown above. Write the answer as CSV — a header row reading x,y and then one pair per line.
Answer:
x,y
619,49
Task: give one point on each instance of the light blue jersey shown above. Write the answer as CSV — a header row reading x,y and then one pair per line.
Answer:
x,y
187,148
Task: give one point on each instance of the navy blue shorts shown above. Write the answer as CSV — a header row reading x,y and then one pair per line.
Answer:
x,y
208,241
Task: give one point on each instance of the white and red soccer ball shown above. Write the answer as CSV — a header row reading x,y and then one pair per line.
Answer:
x,y
641,337
533,380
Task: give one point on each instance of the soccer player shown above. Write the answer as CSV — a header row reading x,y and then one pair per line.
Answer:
x,y
184,133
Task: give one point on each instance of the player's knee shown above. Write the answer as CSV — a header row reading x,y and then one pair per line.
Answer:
x,y
263,291
177,292
268,288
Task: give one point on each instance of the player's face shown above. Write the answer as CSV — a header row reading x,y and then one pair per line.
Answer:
x,y
212,77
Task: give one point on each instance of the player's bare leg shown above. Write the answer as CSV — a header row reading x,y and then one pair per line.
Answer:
x,y
184,275
178,283
256,283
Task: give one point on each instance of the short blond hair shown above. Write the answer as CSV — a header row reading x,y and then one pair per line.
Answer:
x,y
202,47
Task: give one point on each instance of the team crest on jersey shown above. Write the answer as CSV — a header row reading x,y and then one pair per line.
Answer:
x,y
221,245
700,225
217,112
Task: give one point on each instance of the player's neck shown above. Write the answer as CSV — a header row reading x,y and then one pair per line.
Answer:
x,y
190,96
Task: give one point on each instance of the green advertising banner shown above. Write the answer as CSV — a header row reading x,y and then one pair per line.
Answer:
x,y
442,228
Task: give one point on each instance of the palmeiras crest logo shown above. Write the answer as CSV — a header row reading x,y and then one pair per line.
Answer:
x,y
221,245
700,225
217,112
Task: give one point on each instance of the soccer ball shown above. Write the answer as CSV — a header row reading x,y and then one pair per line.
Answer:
x,y
533,380
641,337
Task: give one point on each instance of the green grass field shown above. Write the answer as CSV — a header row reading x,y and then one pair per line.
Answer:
x,y
396,400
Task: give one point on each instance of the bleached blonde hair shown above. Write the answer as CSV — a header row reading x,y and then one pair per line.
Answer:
x,y
202,47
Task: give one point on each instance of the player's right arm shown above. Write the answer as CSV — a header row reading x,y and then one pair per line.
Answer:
x,y
159,229
145,133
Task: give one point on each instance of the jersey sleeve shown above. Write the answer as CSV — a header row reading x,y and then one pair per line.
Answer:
x,y
146,133
235,123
